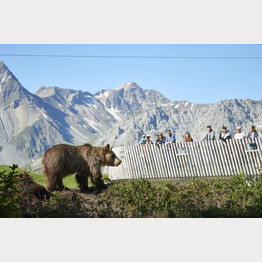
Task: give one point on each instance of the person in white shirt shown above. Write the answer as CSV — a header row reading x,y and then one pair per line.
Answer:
x,y
239,134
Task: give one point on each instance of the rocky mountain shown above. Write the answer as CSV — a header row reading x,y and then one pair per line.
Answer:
x,y
31,123
185,117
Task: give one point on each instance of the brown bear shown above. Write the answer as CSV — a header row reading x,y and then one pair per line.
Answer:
x,y
62,160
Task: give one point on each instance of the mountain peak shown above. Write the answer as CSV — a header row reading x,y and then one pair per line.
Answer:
x,y
129,85
5,73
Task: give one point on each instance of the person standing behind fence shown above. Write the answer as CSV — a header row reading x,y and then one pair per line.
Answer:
x,y
160,139
239,134
224,135
188,138
143,140
170,138
210,134
253,133
148,141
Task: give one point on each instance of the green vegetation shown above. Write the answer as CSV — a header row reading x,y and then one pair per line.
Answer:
x,y
193,199
9,193
139,198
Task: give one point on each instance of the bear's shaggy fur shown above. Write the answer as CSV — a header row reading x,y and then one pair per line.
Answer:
x,y
62,160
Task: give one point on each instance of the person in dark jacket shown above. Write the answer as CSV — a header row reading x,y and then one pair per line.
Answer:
x,y
224,135
210,134
160,139
253,133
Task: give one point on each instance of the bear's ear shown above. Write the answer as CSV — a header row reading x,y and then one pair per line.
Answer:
x,y
111,147
107,147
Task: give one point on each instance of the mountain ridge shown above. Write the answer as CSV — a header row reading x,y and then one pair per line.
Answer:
x,y
31,123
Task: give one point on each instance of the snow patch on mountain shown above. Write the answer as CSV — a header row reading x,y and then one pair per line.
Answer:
x,y
77,132
113,112
93,125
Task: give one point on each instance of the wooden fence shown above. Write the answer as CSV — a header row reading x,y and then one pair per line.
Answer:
x,y
181,160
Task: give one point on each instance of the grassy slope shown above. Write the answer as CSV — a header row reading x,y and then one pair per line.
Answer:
x,y
69,181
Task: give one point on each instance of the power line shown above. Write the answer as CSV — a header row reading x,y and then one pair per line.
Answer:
x,y
135,57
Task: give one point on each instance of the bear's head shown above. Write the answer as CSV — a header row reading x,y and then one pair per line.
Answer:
x,y
110,158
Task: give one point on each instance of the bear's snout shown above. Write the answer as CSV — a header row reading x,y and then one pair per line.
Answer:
x,y
117,162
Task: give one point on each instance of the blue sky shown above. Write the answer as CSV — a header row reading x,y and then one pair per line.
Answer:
x,y
195,80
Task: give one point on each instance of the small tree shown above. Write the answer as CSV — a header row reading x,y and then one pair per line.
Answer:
x,y
9,189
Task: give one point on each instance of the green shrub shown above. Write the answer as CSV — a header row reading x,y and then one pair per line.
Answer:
x,y
196,198
9,193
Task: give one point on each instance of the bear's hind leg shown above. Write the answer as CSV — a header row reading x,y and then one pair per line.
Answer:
x,y
51,185
60,186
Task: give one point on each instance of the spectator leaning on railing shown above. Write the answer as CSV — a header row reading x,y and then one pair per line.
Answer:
x,y
210,134
148,141
239,134
160,139
188,138
143,140
170,138
253,133
224,135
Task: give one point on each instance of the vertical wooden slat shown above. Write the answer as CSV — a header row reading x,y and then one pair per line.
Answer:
x,y
209,162
149,167
219,158
214,158
200,159
153,160
130,162
255,156
243,145
230,163
164,160
181,164
260,151
175,161
171,154
235,156
167,162
241,156
136,161
159,160
144,153
190,159
223,157
250,159
193,153
172,160
186,161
